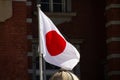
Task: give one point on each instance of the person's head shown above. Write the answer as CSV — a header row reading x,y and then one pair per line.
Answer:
x,y
64,75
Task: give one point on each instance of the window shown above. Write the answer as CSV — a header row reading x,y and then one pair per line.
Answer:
x,y
55,5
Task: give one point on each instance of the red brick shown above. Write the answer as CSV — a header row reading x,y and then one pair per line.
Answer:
x,y
113,31
114,77
114,64
114,47
113,14
113,2
13,60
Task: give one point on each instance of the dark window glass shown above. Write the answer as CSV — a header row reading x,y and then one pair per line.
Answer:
x,y
57,8
44,1
57,5
45,7
57,1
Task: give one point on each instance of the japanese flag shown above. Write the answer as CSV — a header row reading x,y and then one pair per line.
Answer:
x,y
56,50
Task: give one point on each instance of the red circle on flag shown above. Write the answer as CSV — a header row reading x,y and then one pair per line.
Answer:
x,y
55,43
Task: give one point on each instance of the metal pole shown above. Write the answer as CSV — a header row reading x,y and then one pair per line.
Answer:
x,y
40,54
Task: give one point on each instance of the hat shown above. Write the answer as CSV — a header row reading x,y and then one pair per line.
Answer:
x,y
64,75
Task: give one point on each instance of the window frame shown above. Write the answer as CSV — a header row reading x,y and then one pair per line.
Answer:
x,y
65,5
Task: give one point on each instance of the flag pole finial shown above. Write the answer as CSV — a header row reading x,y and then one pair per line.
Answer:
x,y
38,5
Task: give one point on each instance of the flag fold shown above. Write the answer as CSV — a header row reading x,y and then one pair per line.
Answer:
x,y
55,48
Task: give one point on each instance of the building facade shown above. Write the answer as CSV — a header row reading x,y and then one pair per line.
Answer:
x,y
92,26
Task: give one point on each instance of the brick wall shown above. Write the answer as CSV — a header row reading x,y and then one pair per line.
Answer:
x,y
113,39
13,45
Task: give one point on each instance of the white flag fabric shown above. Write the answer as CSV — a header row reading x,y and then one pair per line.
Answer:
x,y
56,50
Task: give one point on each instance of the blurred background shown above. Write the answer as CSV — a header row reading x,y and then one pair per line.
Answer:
x,y
92,26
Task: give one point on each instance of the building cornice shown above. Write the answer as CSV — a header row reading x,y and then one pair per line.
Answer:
x,y
5,10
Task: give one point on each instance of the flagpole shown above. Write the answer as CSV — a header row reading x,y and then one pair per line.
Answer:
x,y
40,53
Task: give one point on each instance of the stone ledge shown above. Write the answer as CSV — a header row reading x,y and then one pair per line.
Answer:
x,y
5,10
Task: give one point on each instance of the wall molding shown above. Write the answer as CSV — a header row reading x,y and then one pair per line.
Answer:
x,y
30,54
28,3
115,55
112,6
29,37
114,22
113,73
109,40
29,20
